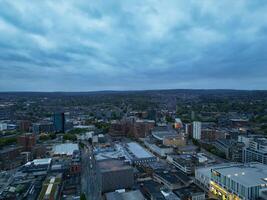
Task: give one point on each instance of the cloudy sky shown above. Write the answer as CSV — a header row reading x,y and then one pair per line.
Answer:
x,y
85,45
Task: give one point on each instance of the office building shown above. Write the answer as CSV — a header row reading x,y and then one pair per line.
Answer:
x,y
24,125
255,148
59,122
231,148
43,127
27,141
197,130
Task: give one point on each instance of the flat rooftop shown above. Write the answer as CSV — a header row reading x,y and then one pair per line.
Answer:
x,y
187,191
249,175
138,151
112,165
65,149
131,195
44,161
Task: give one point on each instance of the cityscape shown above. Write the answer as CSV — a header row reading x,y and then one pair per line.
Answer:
x,y
133,100
160,144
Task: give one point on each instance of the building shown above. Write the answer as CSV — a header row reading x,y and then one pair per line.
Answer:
x,y
171,180
136,154
159,149
3,126
203,177
59,122
51,188
152,190
66,149
178,123
197,130
38,165
239,122
122,195
189,130
168,136
241,181
235,181
24,126
184,162
115,174
10,157
116,128
27,141
192,192
255,148
43,127
231,148
142,128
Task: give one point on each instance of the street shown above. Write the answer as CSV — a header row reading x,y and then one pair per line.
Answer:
x,y
90,179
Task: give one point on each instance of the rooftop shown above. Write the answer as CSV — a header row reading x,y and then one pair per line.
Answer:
x,y
138,151
249,175
44,161
188,191
131,195
112,165
65,149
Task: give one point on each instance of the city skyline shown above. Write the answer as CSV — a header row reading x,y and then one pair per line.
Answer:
x,y
117,45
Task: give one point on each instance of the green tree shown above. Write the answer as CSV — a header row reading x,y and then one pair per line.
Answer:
x,y
83,197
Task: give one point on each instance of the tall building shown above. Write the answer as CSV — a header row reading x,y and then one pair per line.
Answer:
x,y
27,141
24,125
43,127
59,122
3,126
197,130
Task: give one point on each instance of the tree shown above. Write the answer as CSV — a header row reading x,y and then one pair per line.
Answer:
x,y
68,136
83,197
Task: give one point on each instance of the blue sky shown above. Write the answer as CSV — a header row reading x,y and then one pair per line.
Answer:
x,y
85,45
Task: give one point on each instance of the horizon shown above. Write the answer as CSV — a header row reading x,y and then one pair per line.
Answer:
x,y
140,90
76,45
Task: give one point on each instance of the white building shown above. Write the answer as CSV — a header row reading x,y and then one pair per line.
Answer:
x,y
3,126
234,181
136,154
197,130
161,150
66,149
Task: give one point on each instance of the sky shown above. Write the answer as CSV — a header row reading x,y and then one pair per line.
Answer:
x,y
90,45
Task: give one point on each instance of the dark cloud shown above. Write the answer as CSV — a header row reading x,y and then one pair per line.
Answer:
x,y
99,45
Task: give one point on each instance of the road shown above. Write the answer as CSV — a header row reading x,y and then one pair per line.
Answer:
x,y
90,179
